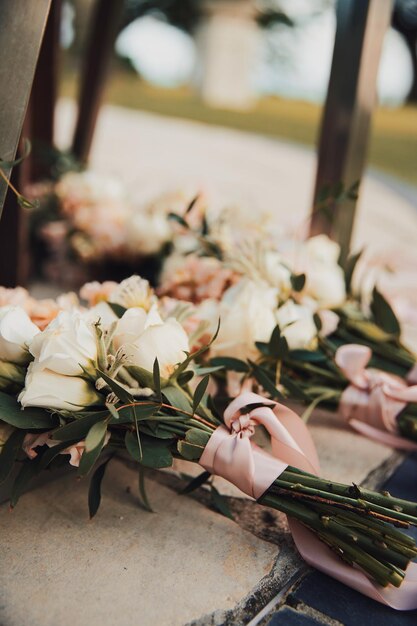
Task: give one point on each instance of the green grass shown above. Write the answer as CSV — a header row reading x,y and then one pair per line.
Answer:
x,y
394,134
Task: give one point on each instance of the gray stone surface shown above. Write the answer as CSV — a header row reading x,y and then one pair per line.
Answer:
x,y
127,566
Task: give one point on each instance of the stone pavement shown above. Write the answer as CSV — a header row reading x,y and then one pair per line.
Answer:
x,y
186,563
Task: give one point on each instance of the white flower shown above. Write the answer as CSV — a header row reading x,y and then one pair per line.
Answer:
x,y
134,292
325,281
297,325
247,314
67,345
16,333
89,188
147,232
145,337
276,273
44,388
102,313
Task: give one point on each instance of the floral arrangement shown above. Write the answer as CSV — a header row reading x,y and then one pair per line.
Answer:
x,y
119,375
89,220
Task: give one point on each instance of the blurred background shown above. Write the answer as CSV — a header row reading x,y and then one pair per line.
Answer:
x,y
257,66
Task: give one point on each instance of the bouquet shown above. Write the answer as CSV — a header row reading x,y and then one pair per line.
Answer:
x,y
119,377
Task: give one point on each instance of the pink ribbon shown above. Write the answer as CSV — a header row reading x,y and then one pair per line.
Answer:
x,y
229,453
373,400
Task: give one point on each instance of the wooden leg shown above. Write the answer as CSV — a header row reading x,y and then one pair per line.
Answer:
x,y
351,98
104,28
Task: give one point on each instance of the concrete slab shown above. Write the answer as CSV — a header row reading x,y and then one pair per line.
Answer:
x,y
127,566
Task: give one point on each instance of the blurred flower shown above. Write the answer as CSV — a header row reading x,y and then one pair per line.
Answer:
x,y
67,346
96,292
134,292
16,333
297,325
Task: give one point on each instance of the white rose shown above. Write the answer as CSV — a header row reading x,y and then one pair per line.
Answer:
x,y
16,333
47,389
325,280
67,345
134,292
297,325
102,313
147,232
247,314
146,337
277,273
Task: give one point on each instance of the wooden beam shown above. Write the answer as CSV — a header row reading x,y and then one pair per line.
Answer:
x,y
105,22
21,33
351,98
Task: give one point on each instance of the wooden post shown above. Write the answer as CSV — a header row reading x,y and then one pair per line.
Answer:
x,y
22,29
105,22
351,98
41,110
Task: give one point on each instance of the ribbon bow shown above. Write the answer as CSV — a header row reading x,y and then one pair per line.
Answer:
x,y
230,453
373,400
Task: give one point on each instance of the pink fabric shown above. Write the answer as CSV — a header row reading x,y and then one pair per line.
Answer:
x,y
374,398
230,454
412,375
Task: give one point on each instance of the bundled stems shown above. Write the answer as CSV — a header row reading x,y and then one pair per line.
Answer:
x,y
358,524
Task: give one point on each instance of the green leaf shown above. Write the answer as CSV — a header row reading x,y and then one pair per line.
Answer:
x,y
27,472
79,428
195,483
263,378
349,269
144,378
263,347
27,148
384,316
278,346
202,371
141,412
117,309
30,418
293,389
190,451
45,458
298,281
230,363
90,456
310,356
155,452
120,391
191,357
95,436
200,391
186,376
9,453
157,379
176,397
177,218
197,437
94,491
220,503
143,496
192,204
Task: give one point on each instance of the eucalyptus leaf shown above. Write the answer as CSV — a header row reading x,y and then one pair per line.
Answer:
x,y
9,453
143,496
22,481
157,379
177,398
195,483
79,428
95,436
117,309
200,391
230,363
155,452
190,451
120,391
298,281
94,491
384,316
29,418
263,378
197,437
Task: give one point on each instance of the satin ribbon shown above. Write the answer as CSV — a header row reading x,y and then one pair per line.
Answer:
x,y
373,400
230,453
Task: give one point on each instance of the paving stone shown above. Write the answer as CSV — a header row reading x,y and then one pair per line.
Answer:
x,y
126,566
290,617
346,605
